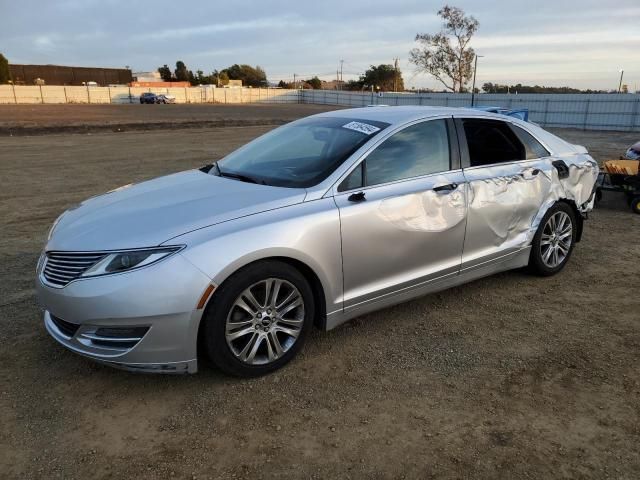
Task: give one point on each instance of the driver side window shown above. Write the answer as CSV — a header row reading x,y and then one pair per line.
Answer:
x,y
417,150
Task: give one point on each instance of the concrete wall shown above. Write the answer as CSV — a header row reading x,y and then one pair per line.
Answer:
x,y
55,94
589,112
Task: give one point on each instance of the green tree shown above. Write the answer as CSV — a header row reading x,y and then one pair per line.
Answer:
x,y
314,83
181,72
165,73
224,78
250,76
5,74
283,84
447,55
383,77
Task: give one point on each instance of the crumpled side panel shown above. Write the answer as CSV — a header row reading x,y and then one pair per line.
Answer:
x,y
507,202
426,211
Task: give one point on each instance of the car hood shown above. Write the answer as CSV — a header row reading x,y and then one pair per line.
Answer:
x,y
152,212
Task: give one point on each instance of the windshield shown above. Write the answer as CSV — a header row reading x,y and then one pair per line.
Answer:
x,y
300,154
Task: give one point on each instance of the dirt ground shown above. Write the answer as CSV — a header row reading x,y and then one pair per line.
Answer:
x,y
512,376
48,119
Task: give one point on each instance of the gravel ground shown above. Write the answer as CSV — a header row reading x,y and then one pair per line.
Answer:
x,y
511,376
55,119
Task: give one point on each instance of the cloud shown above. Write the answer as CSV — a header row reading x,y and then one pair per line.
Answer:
x,y
574,42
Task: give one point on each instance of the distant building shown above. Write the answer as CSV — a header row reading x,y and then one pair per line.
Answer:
x,y
159,84
147,77
333,85
63,75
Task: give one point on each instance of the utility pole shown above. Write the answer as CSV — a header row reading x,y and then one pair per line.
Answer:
x,y
620,84
473,88
294,81
395,75
341,79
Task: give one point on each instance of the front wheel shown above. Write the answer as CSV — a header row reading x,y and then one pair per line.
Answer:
x,y
258,319
554,241
635,204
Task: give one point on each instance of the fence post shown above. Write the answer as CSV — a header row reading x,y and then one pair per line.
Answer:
x,y
88,95
185,95
634,116
41,97
109,92
130,98
66,100
586,114
15,98
546,112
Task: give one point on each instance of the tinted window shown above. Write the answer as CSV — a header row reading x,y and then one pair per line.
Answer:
x,y
492,141
533,148
417,150
300,154
354,180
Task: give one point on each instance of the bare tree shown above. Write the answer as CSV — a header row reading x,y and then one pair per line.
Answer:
x,y
447,54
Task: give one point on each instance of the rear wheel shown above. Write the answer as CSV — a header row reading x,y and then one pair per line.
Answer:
x,y
258,319
635,204
554,240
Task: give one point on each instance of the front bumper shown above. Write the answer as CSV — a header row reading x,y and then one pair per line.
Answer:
x,y
143,320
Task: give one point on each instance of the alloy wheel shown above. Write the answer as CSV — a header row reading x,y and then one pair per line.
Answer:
x,y
556,239
265,321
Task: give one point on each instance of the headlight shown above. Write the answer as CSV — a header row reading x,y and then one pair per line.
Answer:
x,y
117,262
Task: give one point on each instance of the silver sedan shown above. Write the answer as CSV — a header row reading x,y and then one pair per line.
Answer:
x,y
314,223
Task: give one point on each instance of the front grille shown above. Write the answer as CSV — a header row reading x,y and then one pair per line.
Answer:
x,y
62,267
66,328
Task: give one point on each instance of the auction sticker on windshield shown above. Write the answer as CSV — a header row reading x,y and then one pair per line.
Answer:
x,y
361,127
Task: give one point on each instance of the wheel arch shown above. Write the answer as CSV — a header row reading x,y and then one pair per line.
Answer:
x,y
317,288
574,208
577,214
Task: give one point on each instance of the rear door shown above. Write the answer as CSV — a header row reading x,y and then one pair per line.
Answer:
x,y
402,213
509,175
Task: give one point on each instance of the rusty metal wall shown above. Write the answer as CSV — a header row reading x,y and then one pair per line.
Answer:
x,y
63,75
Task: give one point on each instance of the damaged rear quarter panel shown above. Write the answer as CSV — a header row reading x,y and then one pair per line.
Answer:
x,y
508,201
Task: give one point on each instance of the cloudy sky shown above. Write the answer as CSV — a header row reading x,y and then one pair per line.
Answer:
x,y
580,43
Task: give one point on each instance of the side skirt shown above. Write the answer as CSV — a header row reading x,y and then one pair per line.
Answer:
x,y
517,259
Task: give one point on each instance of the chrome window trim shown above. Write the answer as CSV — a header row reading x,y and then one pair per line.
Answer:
x,y
395,182
501,164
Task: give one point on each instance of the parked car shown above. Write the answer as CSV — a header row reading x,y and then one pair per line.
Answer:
x,y
148,97
165,99
633,152
316,222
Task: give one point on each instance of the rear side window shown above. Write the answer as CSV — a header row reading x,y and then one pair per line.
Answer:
x,y
492,141
533,148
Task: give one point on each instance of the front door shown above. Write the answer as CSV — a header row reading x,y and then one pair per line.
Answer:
x,y
402,215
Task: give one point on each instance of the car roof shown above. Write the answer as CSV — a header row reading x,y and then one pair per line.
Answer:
x,y
404,114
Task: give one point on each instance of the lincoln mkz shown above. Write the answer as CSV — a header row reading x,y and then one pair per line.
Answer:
x,y
314,223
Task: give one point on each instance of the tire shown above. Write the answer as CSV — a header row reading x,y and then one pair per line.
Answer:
x,y
231,333
635,204
550,250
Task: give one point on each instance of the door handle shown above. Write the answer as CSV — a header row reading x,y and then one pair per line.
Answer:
x,y
446,188
356,197
528,174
